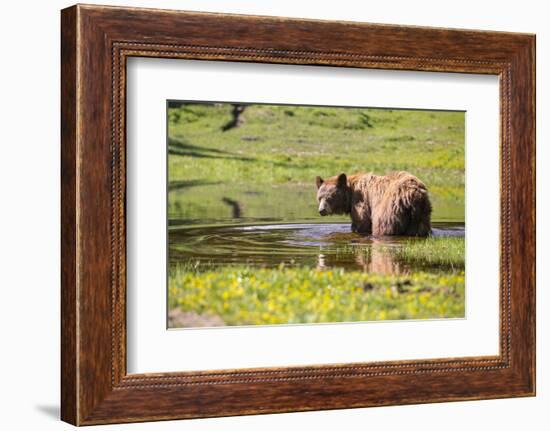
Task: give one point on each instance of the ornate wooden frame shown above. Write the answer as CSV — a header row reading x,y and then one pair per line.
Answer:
x,y
95,43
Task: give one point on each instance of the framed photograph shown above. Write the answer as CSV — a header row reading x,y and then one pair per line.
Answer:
x,y
264,214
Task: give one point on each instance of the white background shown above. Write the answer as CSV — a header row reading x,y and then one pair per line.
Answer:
x,y
151,348
29,217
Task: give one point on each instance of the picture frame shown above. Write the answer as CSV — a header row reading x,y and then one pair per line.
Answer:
x,y
96,42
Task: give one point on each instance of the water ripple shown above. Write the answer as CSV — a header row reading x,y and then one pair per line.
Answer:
x,y
273,244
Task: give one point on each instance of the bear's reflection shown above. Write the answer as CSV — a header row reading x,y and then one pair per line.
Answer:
x,y
379,259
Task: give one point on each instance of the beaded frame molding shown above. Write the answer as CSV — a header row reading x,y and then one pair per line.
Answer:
x,y
95,43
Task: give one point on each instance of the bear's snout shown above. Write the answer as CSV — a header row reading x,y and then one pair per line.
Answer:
x,y
324,208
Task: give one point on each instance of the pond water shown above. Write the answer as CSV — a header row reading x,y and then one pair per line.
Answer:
x,y
322,245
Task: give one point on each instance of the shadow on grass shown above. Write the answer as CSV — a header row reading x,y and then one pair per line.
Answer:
x,y
187,184
180,147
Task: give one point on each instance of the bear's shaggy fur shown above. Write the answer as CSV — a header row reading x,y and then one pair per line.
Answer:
x,y
393,204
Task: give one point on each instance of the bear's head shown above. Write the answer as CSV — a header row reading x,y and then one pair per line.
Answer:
x,y
333,195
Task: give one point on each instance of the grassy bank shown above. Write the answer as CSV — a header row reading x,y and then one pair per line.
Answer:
x,y
436,252
261,296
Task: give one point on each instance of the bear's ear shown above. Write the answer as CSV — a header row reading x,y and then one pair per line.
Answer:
x,y
319,181
342,180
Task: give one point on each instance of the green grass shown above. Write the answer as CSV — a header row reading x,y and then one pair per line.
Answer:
x,y
434,252
260,296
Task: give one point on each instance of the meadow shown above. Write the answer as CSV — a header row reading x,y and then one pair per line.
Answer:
x,y
246,243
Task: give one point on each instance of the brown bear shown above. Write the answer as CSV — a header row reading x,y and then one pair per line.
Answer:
x,y
393,204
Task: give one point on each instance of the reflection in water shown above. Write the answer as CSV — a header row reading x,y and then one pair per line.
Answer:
x,y
307,244
380,260
236,209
